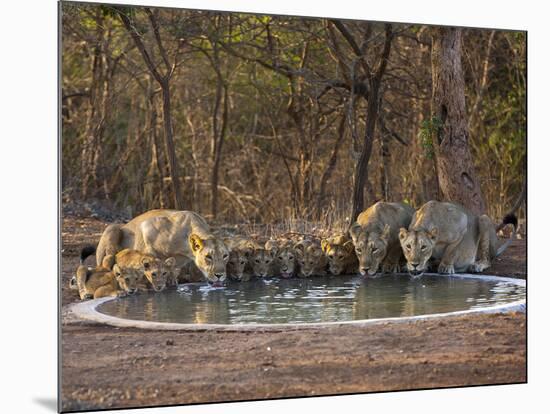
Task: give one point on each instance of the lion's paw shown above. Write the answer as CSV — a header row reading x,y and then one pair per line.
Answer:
x,y
479,267
446,269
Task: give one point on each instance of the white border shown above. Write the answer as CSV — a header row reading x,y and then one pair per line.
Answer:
x,y
88,311
29,191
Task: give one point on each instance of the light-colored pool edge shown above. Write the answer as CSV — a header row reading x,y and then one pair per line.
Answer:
x,y
87,310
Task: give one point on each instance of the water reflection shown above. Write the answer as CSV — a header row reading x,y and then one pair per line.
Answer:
x,y
320,299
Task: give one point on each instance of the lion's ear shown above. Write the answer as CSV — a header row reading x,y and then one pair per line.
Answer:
x,y
196,243
325,245
116,270
350,248
433,233
299,247
355,230
402,233
170,262
386,232
146,263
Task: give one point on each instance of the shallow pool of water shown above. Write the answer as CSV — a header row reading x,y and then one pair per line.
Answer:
x,y
320,299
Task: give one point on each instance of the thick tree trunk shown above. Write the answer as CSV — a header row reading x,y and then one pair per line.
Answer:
x,y
457,177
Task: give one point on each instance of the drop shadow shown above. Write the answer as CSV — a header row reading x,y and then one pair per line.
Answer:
x,y
48,403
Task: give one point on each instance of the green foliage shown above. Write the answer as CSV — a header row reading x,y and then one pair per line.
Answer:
x,y
428,131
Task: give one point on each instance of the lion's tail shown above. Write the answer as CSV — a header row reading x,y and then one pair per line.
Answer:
x,y
513,220
86,252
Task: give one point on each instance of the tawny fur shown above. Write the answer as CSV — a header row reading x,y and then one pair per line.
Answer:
x,y
183,235
310,258
340,254
449,238
152,273
375,236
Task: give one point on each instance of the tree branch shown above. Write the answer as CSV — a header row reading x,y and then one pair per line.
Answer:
x,y
139,44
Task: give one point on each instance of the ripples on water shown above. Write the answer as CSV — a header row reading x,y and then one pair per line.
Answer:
x,y
320,299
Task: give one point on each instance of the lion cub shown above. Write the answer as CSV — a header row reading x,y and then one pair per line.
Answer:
x,y
150,271
259,259
240,251
310,258
340,254
284,258
100,282
375,236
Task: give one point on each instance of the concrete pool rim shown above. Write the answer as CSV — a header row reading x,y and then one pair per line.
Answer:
x,y
87,310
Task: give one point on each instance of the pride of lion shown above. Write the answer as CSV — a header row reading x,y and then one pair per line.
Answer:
x,y
162,248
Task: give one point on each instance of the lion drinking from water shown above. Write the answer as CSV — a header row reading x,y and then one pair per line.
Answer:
x,y
375,236
451,237
183,235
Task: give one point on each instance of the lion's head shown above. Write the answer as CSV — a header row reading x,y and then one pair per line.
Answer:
x,y
238,260
261,260
286,261
211,257
340,253
370,247
310,259
127,279
156,271
417,247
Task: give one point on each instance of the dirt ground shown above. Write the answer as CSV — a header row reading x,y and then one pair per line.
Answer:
x,y
108,367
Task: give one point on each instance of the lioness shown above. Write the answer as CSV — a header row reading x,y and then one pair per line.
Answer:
x,y
310,258
183,235
375,236
451,236
101,282
340,254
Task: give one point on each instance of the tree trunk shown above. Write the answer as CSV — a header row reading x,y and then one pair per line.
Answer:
x,y
169,144
218,141
331,164
164,82
457,177
384,168
156,169
95,122
360,175
360,178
